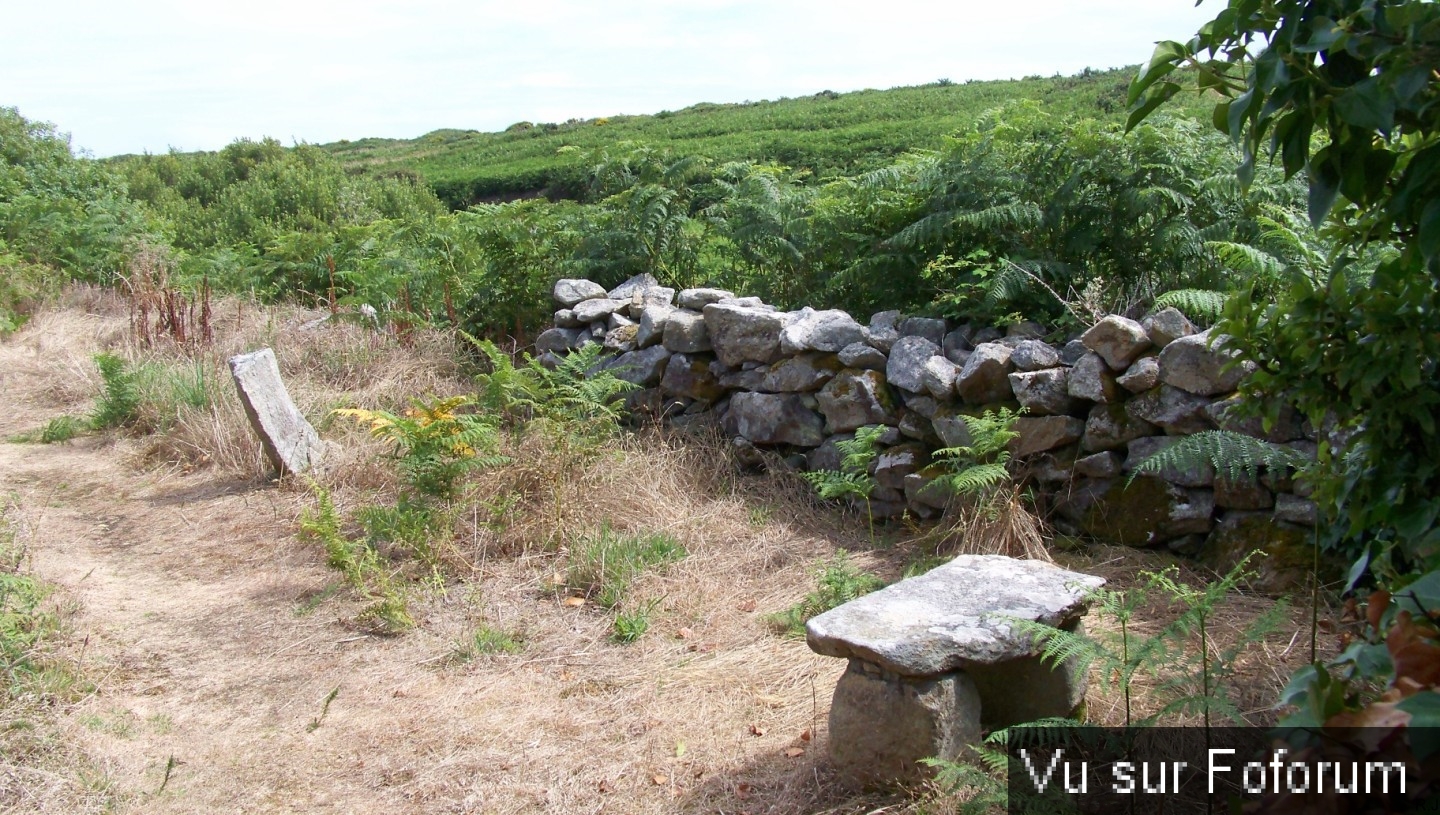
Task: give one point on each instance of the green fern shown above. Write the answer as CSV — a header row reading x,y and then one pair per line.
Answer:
x,y
1201,305
119,404
853,479
977,469
1234,455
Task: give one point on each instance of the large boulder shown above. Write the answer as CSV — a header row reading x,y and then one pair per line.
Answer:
x,y
558,340
856,398
810,330
905,368
1142,375
937,377
685,332
638,284
1091,380
1041,433
773,418
600,308
744,333
806,372
1196,365
1193,474
1142,512
651,328
1118,340
984,379
892,465
883,331
1043,392
1034,355
570,291
930,328
1178,412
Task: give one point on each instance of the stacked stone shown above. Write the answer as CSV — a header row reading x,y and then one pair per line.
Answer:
x,y
799,382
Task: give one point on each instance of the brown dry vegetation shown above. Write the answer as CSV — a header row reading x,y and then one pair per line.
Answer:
x,y
207,637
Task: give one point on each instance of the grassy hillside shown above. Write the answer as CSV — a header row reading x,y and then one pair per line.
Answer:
x,y
828,133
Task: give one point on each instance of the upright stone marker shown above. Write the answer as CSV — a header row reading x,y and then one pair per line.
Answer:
x,y
290,442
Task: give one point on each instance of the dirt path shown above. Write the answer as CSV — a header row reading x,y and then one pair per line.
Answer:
x,y
214,637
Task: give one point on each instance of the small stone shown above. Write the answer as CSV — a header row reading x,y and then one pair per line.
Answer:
x,y
652,325
565,318
1072,351
930,328
906,365
937,377
855,399
1167,325
1296,510
698,299
620,338
923,405
589,311
618,320
685,332
1034,355
1041,433
1142,375
1091,379
1099,465
767,418
635,285
806,372
956,345
810,330
691,378
1192,364
1242,494
892,465
1138,450
1043,393
569,291
1118,340
986,334
558,340
883,331
1025,329
985,378
643,368
1109,427
1178,412
862,355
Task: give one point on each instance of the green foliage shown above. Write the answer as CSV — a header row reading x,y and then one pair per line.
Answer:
x,y
977,470
119,403
25,622
435,445
61,429
579,396
604,567
1201,305
1235,456
489,641
837,582
360,564
632,625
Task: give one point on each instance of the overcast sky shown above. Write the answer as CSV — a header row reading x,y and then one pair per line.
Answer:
x,y
126,76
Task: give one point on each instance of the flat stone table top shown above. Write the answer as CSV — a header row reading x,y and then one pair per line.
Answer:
x,y
953,616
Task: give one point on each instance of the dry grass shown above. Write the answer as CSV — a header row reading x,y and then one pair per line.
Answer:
x,y
204,608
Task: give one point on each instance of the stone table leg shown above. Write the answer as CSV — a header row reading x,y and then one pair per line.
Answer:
x,y
882,724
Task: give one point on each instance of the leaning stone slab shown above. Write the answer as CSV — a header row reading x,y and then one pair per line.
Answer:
x,y
290,442
954,617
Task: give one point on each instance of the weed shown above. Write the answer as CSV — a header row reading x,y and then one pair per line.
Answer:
x,y
415,527
119,403
61,429
324,710
487,641
25,623
632,625
837,583
604,567
359,562
434,443
853,479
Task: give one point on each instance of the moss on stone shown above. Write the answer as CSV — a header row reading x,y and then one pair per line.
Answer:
x,y
1130,513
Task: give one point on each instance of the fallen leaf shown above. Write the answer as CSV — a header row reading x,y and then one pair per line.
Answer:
x,y
684,633
702,647
659,780
679,749
746,605
574,602
742,791
805,734
757,730
793,752
605,786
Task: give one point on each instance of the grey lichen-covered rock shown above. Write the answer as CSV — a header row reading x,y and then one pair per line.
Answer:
x,y
883,331
892,465
557,339
1109,427
652,325
620,338
1192,514
950,426
1072,351
921,404
1034,355
937,377
1091,379
289,441
1043,393
1167,325
914,426
1178,412
1041,433
635,285
1025,329
771,418
953,617
685,332
985,378
1099,465
906,366
1296,510
744,333
862,355
570,291
856,398
930,328
565,318
1118,340
1142,375
643,368
806,372
617,320
600,308
1132,512
691,378
698,299
1196,365
810,330
882,724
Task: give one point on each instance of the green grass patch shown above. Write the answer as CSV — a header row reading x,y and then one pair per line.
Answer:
x,y
604,567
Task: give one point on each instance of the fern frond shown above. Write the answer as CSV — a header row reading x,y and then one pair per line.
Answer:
x,y
976,479
1247,260
1202,305
1237,456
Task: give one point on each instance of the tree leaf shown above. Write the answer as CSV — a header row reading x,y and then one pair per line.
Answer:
x,y
1366,105
1324,188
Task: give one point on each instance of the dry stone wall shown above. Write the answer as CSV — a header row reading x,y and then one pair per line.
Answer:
x,y
1096,405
